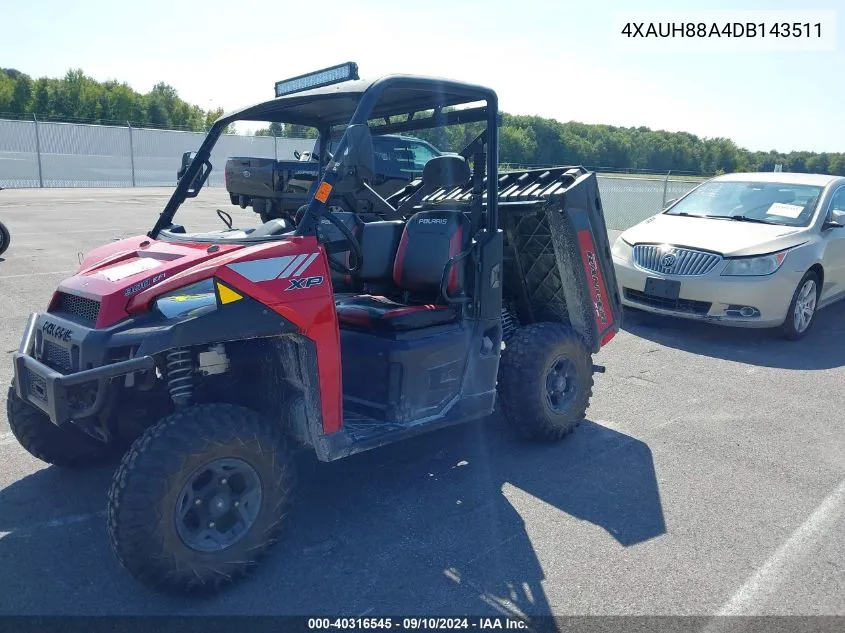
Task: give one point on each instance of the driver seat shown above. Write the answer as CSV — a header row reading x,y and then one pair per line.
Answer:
x,y
430,240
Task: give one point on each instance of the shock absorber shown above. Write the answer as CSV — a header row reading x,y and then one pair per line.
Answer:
x,y
180,376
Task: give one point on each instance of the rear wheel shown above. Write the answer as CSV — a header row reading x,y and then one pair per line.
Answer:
x,y
200,498
545,381
802,308
64,447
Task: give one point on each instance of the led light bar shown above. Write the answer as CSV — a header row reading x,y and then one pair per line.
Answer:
x,y
317,79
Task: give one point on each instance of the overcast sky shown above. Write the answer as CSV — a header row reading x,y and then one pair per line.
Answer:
x,y
554,58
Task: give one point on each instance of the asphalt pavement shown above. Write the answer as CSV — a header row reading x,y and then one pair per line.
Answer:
x,y
708,479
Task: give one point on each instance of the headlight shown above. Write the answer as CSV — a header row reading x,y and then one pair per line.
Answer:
x,y
621,249
755,266
192,300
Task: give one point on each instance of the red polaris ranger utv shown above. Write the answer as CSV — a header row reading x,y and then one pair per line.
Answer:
x,y
361,322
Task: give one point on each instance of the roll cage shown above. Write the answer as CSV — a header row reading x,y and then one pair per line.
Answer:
x,y
419,102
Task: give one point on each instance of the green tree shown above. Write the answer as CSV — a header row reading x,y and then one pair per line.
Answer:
x,y
43,102
22,96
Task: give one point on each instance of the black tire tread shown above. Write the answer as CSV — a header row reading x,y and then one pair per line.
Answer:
x,y
5,238
161,454
520,375
66,448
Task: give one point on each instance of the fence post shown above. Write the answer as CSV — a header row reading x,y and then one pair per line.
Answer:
x,y
665,185
275,148
131,152
38,151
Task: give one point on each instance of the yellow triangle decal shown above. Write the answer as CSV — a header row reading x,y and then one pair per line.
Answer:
x,y
227,295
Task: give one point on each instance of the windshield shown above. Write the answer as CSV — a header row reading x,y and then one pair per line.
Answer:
x,y
771,203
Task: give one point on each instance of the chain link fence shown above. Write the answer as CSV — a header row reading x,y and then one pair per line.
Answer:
x,y
40,154
628,200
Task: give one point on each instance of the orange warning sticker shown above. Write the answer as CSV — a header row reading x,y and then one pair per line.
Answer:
x,y
323,192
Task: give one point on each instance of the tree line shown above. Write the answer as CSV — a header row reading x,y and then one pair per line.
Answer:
x,y
77,97
523,140
532,140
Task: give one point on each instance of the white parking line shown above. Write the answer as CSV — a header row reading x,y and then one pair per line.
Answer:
x,y
760,586
52,272
112,230
60,522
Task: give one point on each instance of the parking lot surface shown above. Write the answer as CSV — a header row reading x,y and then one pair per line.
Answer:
x,y
709,478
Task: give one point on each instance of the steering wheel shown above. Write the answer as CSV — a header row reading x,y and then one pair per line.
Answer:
x,y
354,246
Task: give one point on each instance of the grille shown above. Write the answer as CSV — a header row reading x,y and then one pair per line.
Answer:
x,y
85,310
676,305
56,357
38,387
674,261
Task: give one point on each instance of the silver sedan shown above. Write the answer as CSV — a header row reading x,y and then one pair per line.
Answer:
x,y
747,249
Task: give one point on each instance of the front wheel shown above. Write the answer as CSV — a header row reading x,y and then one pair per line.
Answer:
x,y
802,308
5,238
200,498
63,447
545,381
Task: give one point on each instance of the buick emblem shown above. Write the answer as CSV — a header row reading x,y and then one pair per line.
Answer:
x,y
668,260
246,173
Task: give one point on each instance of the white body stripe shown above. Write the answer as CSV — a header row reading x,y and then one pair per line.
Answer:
x,y
262,269
293,265
275,267
305,265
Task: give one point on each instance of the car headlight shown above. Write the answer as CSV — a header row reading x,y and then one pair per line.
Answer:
x,y
621,249
188,301
755,266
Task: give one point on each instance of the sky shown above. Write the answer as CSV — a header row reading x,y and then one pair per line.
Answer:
x,y
553,58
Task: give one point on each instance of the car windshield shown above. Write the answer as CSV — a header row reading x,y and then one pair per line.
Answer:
x,y
766,202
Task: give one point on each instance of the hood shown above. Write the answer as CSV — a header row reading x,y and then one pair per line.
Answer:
x,y
112,274
728,237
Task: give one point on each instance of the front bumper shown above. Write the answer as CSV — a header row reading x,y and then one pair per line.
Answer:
x,y
54,392
712,297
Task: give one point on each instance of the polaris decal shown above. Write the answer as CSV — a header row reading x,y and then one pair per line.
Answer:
x,y
60,333
304,283
143,285
275,267
432,221
595,279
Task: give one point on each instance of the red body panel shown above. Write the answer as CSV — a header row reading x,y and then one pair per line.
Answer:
x,y
602,312
113,274
127,276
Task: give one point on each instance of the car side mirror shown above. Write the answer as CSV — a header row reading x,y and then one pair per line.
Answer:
x,y
669,203
296,154
836,221
359,150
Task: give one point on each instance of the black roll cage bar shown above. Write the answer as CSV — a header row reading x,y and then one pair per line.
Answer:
x,y
368,100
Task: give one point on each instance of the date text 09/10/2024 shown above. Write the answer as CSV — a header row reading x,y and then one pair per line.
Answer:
x,y
416,624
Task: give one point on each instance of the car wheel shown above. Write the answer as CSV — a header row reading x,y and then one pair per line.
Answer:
x,y
802,308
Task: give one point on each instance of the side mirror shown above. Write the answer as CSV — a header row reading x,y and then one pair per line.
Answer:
x,y
187,157
296,154
669,203
836,221
359,150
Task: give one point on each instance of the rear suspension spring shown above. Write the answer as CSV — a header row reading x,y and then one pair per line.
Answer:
x,y
180,376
